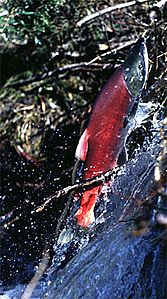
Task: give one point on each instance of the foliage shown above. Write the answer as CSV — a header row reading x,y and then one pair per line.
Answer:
x,y
30,19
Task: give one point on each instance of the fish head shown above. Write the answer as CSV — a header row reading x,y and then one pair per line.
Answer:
x,y
136,68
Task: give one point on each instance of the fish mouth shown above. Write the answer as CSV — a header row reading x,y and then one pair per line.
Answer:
x,y
136,68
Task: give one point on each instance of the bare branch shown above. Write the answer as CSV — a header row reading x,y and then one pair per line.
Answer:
x,y
114,50
82,185
83,66
18,213
107,10
69,67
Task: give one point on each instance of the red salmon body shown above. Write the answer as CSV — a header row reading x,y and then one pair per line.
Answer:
x,y
103,139
102,142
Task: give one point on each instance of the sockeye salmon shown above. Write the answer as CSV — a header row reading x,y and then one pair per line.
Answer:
x,y
103,140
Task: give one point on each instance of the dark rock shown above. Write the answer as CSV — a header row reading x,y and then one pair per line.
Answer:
x,y
121,260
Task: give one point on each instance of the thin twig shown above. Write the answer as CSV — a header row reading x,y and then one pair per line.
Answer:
x,y
82,185
73,188
69,67
107,10
114,50
83,66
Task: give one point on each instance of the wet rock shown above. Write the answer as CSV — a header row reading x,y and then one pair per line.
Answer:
x,y
116,265
125,257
